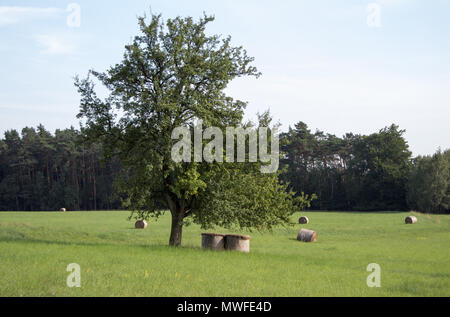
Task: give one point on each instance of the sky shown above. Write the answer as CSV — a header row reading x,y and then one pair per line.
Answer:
x,y
339,66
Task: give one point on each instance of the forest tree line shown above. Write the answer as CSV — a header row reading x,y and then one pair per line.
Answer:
x,y
365,172
44,171
41,171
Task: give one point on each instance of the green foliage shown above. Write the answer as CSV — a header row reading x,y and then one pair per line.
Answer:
x,y
355,172
41,171
245,199
379,166
429,183
304,201
172,74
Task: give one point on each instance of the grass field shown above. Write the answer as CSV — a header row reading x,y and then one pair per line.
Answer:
x,y
117,260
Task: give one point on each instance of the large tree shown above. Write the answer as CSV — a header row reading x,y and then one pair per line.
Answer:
x,y
379,170
171,75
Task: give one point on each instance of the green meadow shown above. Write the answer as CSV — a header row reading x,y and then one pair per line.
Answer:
x,y
118,260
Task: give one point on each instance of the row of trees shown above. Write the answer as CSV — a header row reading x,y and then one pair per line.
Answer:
x,y
364,172
41,171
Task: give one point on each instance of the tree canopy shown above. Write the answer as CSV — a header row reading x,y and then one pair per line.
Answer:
x,y
355,172
44,171
173,74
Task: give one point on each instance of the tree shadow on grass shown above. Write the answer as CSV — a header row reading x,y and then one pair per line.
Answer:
x,y
26,240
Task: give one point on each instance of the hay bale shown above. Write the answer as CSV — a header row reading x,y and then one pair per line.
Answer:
x,y
140,224
63,209
303,220
213,241
411,220
306,235
235,242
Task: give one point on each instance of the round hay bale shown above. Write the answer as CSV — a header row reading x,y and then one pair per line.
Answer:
x,y
411,220
63,209
140,224
303,220
306,235
213,241
235,242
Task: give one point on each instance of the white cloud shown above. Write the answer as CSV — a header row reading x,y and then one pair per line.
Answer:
x,y
54,45
13,15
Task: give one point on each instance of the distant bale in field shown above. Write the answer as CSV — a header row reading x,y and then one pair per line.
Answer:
x,y
306,235
235,242
411,220
63,209
140,224
213,241
303,220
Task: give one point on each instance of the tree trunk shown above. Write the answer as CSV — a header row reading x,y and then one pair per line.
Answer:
x,y
176,229
177,209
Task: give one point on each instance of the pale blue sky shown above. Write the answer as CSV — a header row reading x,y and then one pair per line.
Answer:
x,y
321,61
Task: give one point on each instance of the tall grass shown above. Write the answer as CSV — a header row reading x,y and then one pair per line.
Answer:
x,y
117,260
